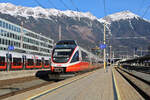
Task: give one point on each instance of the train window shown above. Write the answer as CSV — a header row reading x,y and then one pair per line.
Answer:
x,y
30,62
2,61
17,61
38,62
46,62
75,57
84,56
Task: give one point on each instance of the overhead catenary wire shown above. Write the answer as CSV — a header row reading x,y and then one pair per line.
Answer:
x,y
147,9
39,4
64,4
45,7
74,5
104,3
141,6
51,3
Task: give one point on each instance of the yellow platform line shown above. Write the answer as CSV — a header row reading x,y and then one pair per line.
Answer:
x,y
117,89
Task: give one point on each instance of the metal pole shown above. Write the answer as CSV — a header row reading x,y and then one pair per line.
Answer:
x,y
134,53
141,52
8,63
110,54
21,46
113,57
104,48
59,32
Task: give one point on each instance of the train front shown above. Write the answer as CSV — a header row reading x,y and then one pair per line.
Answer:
x,y
62,56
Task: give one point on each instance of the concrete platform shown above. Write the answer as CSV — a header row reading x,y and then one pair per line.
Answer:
x,y
96,85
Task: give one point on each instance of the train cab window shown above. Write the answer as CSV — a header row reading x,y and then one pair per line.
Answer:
x,y
17,61
30,62
46,62
38,62
62,55
75,57
2,61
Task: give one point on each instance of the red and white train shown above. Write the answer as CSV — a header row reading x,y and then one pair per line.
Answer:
x,y
21,61
67,57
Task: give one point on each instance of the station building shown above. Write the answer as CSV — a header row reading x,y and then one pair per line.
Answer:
x,y
23,40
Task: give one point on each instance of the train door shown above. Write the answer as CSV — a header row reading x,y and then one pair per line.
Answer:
x,y
8,61
38,63
3,63
43,61
50,61
47,62
29,63
17,63
24,59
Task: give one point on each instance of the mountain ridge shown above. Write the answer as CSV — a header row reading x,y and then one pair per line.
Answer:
x,y
88,31
39,12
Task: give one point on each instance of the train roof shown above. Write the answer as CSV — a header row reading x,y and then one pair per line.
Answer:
x,y
66,42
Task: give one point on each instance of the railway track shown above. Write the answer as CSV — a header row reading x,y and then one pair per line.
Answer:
x,y
16,86
141,85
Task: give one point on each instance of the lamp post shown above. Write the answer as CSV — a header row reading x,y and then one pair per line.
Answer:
x,y
110,54
105,48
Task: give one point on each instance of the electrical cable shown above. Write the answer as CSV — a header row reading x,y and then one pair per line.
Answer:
x,y
141,6
74,5
104,3
51,3
64,4
39,3
147,9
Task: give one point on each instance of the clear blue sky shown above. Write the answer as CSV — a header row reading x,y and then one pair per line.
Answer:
x,y
96,7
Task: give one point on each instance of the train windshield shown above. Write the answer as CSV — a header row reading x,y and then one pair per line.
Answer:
x,y
61,55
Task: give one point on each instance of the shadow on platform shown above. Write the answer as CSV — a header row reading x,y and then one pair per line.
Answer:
x,y
43,75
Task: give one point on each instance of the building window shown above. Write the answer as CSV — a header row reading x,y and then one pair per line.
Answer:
x,y
9,42
7,25
3,23
0,23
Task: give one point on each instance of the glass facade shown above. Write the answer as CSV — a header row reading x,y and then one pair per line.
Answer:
x,y
23,40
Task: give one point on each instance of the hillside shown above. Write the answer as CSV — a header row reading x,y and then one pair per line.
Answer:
x,y
124,29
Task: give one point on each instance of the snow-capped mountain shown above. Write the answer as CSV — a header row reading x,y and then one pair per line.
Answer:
x,y
38,12
83,27
124,15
